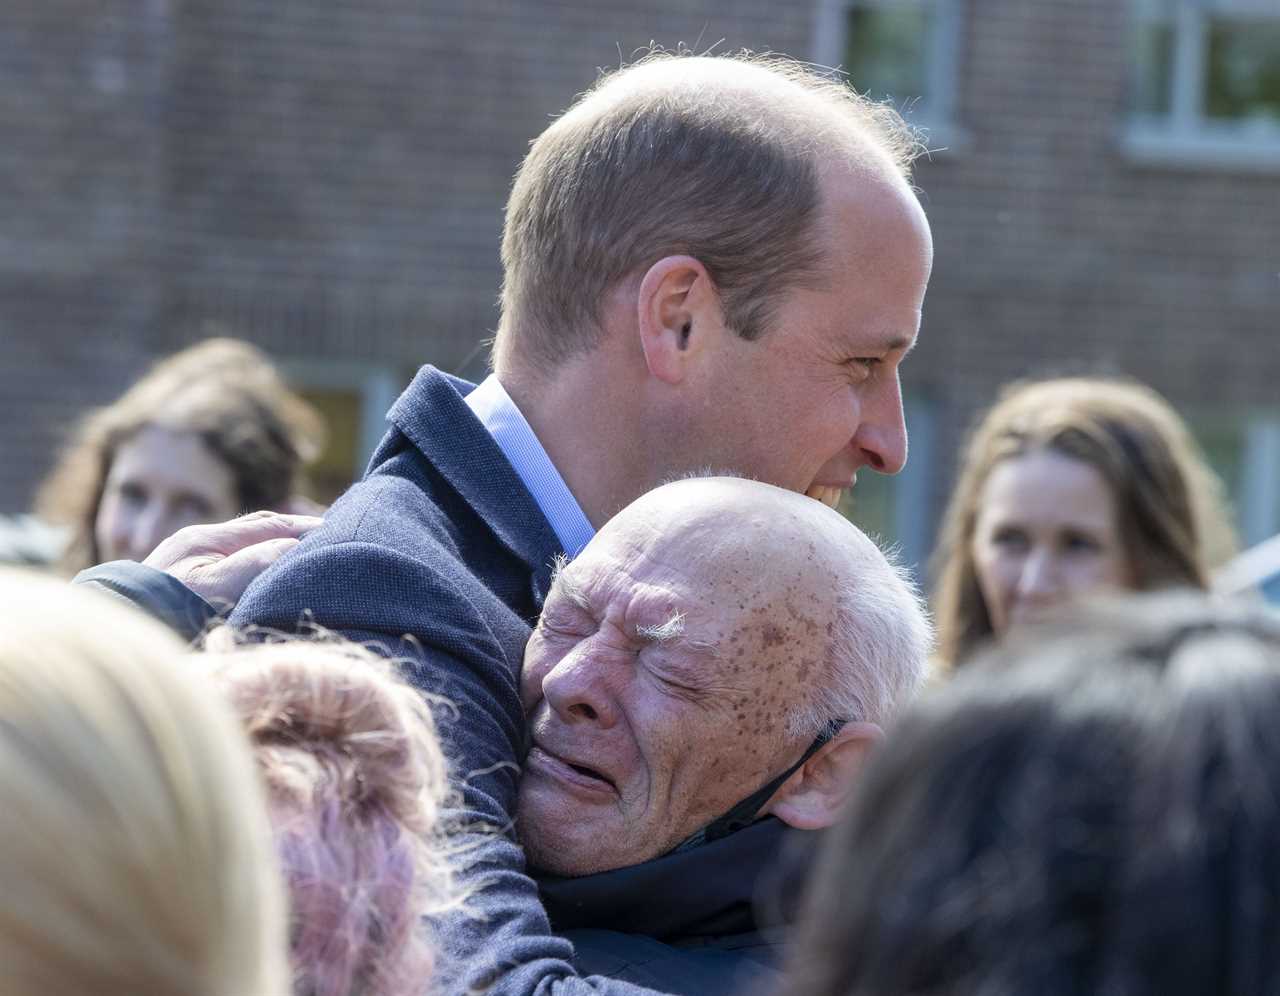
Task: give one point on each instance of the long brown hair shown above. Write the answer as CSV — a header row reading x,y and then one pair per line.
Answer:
x,y
1169,503
223,390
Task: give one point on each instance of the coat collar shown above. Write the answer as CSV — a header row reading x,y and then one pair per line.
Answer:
x,y
434,417
709,890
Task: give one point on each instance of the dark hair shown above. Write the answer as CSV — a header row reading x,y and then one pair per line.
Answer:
x,y
223,390
1169,505
1095,811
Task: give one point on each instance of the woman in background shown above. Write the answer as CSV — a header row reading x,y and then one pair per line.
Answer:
x,y
1068,486
135,853
355,782
208,433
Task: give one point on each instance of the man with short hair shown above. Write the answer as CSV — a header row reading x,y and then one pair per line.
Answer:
x,y
707,262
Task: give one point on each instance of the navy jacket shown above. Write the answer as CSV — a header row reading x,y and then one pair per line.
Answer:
x,y
441,556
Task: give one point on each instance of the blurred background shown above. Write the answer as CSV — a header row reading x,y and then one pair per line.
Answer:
x,y
327,181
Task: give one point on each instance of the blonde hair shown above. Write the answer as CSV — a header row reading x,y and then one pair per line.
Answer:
x,y
135,854
719,158
1170,507
356,782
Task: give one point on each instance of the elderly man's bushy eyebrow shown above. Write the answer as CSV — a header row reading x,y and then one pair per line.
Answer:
x,y
672,632
566,586
665,632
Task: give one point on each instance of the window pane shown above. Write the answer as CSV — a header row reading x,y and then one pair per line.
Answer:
x,y
335,468
1153,58
885,49
1243,74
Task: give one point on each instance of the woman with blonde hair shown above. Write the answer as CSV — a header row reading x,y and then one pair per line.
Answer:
x,y
355,781
210,432
135,853
1068,486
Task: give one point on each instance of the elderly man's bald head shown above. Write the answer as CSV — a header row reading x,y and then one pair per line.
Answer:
x,y
651,162
802,576
690,655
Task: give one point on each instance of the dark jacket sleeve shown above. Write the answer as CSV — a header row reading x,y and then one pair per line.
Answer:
x,y
432,617
164,597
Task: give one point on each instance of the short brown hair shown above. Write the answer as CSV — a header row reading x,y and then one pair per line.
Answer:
x,y
223,390
1169,503
719,158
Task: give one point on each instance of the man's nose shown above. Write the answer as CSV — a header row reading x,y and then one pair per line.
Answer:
x,y
882,433
577,690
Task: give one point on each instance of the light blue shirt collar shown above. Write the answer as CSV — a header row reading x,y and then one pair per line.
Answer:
x,y
514,436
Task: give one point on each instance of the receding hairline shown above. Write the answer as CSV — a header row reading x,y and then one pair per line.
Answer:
x,y
784,89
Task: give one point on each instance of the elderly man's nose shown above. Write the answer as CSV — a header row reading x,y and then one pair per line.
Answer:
x,y
575,694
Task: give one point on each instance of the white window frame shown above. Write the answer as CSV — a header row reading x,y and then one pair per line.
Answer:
x,y
1186,137
935,112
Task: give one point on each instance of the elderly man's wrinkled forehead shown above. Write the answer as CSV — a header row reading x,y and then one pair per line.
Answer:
x,y
732,547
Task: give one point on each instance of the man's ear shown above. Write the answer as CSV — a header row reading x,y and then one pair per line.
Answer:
x,y
678,308
814,796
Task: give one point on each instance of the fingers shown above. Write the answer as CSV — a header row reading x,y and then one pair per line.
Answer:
x,y
222,583
258,527
225,538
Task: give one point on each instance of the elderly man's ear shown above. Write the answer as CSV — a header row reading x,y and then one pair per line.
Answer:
x,y
678,315
814,796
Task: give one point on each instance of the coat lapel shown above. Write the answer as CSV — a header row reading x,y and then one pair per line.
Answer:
x,y
434,417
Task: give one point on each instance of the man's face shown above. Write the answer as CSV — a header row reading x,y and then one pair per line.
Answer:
x,y
666,685
817,397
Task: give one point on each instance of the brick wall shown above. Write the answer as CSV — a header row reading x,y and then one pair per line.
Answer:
x,y
324,179
328,180
1056,254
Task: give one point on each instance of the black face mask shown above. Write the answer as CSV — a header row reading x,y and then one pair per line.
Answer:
x,y
745,812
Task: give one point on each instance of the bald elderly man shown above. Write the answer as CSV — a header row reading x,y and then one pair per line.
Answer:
x,y
708,672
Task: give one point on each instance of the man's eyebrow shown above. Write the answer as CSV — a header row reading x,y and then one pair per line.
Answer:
x,y
667,632
566,586
672,632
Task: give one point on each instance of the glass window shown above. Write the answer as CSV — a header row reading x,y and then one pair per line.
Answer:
x,y
1243,69
905,52
336,468
1244,450
886,50
1153,89
1206,83
354,398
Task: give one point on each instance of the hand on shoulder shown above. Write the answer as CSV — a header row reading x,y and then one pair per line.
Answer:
x,y
218,560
